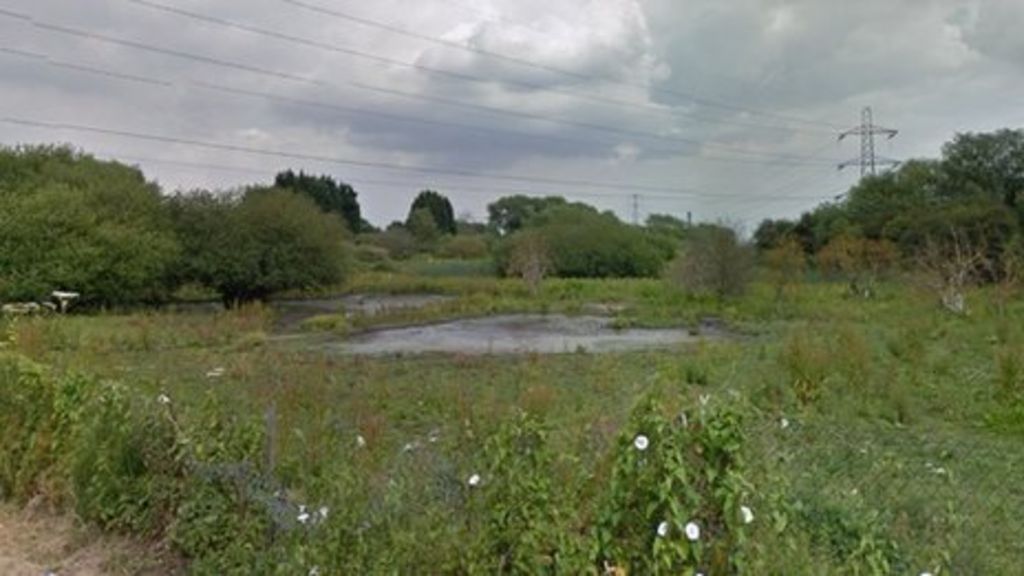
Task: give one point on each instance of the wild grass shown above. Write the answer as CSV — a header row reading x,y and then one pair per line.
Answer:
x,y
880,436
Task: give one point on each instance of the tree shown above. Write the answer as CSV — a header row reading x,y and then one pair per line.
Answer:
x,y
876,200
330,195
513,213
583,243
771,233
424,228
529,259
988,164
251,246
71,222
949,264
714,262
438,207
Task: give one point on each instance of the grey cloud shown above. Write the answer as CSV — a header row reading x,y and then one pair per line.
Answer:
x,y
929,67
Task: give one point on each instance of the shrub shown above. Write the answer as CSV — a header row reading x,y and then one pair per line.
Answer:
x,y
859,261
582,243
713,261
464,247
519,529
266,241
675,504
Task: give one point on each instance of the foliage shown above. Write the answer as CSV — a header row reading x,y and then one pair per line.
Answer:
x,y
990,164
71,222
438,207
859,261
713,262
582,243
331,196
424,228
464,247
520,530
513,213
973,188
266,241
399,243
674,504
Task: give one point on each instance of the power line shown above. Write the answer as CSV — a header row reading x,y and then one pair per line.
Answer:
x,y
451,75
358,181
544,67
791,160
449,102
57,126
867,131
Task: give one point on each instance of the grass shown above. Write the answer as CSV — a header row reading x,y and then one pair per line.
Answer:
x,y
900,452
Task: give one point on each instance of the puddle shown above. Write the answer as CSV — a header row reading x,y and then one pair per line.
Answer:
x,y
552,334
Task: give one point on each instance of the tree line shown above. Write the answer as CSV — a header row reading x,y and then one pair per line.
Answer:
x,y
72,222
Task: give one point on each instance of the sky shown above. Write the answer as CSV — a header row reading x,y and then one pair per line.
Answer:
x,y
729,111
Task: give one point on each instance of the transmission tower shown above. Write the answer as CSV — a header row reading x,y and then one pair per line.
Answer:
x,y
867,131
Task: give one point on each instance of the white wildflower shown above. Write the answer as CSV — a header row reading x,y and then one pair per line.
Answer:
x,y
704,399
692,531
474,480
163,399
783,423
360,441
641,442
215,373
926,574
747,514
303,517
434,436
314,571
323,512
663,529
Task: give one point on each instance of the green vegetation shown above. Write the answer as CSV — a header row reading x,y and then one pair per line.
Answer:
x,y
864,436
71,222
261,243
331,196
848,423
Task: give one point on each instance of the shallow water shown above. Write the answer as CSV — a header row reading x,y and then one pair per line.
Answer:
x,y
516,334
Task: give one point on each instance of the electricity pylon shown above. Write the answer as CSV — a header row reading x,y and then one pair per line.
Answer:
x,y
867,131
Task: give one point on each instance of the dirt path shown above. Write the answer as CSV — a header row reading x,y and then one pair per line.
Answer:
x,y
36,544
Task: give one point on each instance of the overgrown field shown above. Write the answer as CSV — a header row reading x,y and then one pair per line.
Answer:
x,y
836,435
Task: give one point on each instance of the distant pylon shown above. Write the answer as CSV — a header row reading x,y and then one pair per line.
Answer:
x,y
867,131
636,209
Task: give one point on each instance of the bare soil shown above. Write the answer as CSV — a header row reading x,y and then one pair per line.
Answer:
x,y
37,544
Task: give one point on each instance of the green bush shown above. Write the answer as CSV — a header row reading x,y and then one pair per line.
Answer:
x,y
582,243
263,242
675,503
71,222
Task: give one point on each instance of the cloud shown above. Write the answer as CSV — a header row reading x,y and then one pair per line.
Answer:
x,y
714,97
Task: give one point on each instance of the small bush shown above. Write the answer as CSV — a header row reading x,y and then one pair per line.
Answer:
x,y
676,497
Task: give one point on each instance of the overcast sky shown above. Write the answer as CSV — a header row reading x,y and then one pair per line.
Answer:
x,y
728,109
